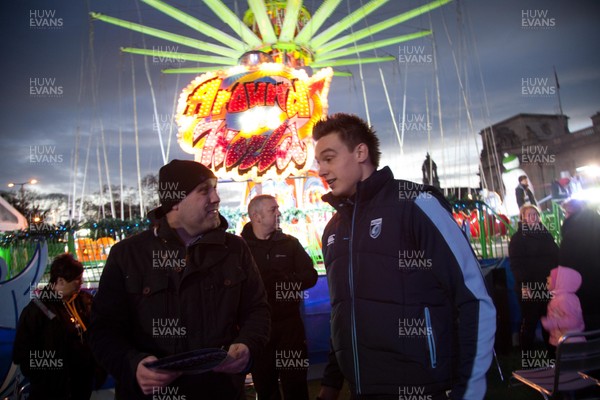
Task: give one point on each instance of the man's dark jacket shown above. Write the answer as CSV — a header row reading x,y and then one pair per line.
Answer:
x,y
157,297
286,270
410,310
524,196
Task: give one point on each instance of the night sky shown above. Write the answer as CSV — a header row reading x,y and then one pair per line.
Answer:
x,y
64,78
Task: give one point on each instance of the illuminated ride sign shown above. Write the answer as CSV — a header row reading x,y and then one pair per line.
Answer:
x,y
253,122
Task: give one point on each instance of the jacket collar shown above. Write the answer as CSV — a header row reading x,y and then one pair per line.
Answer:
x,y
365,190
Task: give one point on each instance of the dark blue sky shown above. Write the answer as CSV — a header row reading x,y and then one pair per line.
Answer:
x,y
496,53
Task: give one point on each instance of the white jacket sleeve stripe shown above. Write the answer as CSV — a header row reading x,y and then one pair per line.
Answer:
x,y
473,279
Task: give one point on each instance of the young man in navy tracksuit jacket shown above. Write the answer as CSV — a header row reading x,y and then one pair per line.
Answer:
x,y
410,312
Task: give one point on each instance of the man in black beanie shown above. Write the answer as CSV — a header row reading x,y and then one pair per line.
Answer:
x,y
184,284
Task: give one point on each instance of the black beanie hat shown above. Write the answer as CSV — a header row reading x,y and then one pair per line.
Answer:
x,y
176,180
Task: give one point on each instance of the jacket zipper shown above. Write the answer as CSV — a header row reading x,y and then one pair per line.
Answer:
x,y
352,310
430,339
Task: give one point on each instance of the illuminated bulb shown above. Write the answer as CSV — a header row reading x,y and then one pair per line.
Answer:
x,y
254,58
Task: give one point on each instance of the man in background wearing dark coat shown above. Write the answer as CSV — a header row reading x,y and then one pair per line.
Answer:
x,y
287,271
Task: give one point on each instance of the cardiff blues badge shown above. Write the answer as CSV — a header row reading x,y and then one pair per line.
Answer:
x,y
375,229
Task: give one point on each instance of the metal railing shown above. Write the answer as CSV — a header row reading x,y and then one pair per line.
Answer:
x,y
488,232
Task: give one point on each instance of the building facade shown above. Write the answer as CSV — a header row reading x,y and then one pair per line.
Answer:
x,y
547,151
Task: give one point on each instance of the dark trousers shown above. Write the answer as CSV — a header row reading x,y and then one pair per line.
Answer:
x,y
531,313
592,321
286,358
79,387
207,386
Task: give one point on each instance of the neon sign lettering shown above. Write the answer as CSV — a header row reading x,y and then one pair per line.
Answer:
x,y
252,123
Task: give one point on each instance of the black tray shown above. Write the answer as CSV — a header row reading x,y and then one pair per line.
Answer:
x,y
191,362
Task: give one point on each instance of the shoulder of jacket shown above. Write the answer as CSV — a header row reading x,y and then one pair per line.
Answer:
x,y
284,237
334,220
30,308
136,239
234,240
38,309
516,237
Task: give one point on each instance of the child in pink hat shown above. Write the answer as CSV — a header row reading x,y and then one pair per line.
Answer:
x,y
564,310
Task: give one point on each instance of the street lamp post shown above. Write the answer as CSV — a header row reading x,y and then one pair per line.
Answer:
x,y
22,190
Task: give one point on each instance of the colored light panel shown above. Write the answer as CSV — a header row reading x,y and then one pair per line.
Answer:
x,y
253,122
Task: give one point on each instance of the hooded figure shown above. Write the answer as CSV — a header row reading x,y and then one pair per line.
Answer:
x,y
564,310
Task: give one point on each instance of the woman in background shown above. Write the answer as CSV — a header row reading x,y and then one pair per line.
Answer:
x,y
51,340
533,253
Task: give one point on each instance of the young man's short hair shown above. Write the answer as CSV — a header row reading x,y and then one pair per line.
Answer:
x,y
352,131
65,266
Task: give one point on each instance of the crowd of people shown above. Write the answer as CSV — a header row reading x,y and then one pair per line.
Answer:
x,y
410,312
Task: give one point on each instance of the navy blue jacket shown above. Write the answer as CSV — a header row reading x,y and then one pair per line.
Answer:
x,y
409,303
